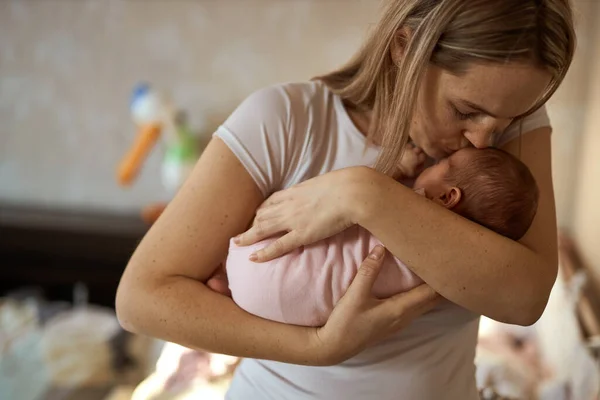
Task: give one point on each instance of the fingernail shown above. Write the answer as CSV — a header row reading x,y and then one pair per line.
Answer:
x,y
376,253
253,257
237,239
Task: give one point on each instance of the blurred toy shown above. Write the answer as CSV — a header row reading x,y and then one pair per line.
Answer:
x,y
156,117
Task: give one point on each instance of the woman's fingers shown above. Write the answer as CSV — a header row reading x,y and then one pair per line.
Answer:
x,y
219,283
281,246
261,230
268,212
413,303
367,273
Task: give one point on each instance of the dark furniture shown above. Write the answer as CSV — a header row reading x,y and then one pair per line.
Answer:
x,y
53,249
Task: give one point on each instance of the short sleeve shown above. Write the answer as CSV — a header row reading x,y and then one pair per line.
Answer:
x,y
257,132
538,119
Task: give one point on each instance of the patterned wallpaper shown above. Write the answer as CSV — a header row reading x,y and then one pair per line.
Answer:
x,y
67,68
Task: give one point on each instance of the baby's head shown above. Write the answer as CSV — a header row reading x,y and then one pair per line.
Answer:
x,y
488,186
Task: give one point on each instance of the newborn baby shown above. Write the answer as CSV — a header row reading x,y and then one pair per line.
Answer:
x,y
490,187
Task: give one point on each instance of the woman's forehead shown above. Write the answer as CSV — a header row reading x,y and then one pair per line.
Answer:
x,y
505,90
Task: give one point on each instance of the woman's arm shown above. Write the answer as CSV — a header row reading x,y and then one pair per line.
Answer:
x,y
162,294
466,263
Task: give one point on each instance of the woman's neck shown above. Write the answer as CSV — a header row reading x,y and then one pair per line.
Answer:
x,y
360,119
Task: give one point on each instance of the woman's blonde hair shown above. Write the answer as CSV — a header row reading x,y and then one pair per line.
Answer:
x,y
450,34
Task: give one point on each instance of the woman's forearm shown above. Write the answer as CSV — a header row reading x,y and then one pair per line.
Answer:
x,y
185,311
463,261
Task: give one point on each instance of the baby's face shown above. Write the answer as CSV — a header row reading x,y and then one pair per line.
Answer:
x,y
432,180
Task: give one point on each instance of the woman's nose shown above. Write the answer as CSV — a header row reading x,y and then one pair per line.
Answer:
x,y
480,139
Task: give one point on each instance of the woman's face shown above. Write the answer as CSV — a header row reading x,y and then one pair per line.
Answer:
x,y
454,112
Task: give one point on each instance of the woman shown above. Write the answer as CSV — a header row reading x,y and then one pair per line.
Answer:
x,y
447,74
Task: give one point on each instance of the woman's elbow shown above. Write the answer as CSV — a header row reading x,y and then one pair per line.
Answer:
x,y
124,312
126,301
531,315
534,300
523,314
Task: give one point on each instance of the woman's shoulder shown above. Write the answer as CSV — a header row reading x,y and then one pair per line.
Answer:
x,y
281,109
291,96
280,132
298,89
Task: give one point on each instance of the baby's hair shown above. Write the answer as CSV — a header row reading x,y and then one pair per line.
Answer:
x,y
498,191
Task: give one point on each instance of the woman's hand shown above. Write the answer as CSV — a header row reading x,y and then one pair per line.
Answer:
x,y
412,162
310,211
218,282
359,319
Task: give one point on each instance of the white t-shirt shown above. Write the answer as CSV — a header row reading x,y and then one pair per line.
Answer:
x,y
289,133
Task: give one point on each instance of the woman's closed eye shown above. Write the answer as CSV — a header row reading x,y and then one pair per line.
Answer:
x,y
464,115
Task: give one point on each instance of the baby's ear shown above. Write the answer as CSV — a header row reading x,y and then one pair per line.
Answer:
x,y
449,198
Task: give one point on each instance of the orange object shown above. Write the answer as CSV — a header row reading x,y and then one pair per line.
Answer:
x,y
151,212
132,162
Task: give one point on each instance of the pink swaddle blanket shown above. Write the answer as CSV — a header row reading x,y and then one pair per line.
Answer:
x,y
303,286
